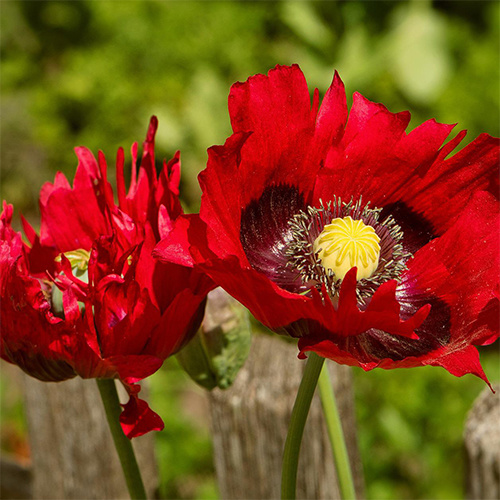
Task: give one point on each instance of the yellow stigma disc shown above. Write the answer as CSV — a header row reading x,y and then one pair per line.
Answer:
x,y
345,243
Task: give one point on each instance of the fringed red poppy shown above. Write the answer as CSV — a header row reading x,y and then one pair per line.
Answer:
x,y
86,297
373,246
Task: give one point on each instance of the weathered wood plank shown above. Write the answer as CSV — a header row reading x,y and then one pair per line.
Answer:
x,y
482,445
250,422
73,455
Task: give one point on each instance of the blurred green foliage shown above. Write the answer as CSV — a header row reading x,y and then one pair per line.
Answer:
x,y
411,425
183,448
93,72
13,425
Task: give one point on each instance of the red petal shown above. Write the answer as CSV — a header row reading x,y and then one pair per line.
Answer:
x,y
167,192
452,181
221,185
141,193
137,418
120,179
276,109
461,268
328,349
165,223
178,324
174,247
60,181
460,363
73,218
28,231
270,304
332,116
376,159
125,318
382,313
132,368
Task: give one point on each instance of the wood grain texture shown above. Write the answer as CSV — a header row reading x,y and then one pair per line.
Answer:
x,y
250,422
73,455
482,445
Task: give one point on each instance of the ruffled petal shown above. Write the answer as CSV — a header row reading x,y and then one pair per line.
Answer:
x,y
461,269
167,192
74,218
269,303
221,200
383,311
137,418
276,110
124,317
460,363
376,158
331,119
452,181
140,197
31,334
184,314
174,247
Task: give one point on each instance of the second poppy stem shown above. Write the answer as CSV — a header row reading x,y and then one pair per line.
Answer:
x,y
315,373
336,435
296,425
123,445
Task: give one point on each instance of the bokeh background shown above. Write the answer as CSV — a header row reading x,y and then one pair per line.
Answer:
x,y
93,72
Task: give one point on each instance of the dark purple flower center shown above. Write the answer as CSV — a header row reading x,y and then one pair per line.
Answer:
x,y
266,234
278,232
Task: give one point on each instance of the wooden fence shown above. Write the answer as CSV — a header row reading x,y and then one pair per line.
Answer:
x,y
73,456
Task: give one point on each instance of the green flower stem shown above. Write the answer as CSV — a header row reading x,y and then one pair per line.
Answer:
x,y
336,435
123,445
296,426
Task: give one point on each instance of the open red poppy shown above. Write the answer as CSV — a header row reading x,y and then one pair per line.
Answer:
x,y
373,246
86,297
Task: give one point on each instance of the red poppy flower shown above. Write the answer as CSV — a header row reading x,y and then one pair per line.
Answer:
x,y
372,245
86,297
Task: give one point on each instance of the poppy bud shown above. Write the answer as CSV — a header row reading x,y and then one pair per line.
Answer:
x,y
215,355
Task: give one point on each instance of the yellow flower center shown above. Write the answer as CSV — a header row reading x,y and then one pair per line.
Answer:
x,y
346,243
79,260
